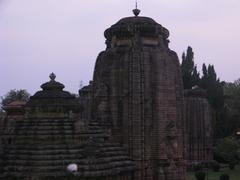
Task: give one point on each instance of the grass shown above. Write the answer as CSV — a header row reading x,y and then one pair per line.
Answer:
x,y
234,174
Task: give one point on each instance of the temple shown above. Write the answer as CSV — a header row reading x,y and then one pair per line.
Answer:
x,y
50,135
138,95
130,123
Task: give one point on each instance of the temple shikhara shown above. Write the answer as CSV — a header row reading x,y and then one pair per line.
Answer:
x,y
132,122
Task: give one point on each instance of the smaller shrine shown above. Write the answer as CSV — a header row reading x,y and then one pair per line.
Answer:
x,y
50,138
198,124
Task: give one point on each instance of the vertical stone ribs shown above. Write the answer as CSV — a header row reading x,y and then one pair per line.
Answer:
x,y
198,119
138,130
144,75
137,115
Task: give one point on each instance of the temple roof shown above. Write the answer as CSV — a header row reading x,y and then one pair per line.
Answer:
x,y
45,141
130,25
53,95
17,104
15,107
52,84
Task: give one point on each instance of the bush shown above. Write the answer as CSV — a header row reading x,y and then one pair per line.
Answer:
x,y
198,167
232,165
226,150
200,175
194,166
215,166
224,177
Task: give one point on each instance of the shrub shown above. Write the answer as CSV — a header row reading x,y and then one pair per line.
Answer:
x,y
232,165
198,167
200,175
194,166
215,166
224,177
226,150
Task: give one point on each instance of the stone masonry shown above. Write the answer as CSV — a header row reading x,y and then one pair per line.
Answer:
x,y
138,94
50,135
127,124
198,122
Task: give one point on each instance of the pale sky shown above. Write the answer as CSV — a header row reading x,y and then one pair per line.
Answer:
x,y
38,37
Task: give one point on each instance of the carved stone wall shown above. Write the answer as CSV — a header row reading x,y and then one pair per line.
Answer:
x,y
138,93
85,99
198,121
51,135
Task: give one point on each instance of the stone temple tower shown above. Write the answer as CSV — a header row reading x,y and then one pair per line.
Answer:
x,y
138,96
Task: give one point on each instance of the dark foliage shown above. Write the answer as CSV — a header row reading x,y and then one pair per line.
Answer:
x,y
215,96
200,175
214,87
224,177
232,106
198,167
190,74
227,151
215,166
232,165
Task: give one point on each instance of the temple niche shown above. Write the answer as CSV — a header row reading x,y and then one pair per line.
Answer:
x,y
138,94
198,122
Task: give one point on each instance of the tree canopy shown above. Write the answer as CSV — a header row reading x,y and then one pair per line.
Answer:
x,y
227,150
232,105
190,74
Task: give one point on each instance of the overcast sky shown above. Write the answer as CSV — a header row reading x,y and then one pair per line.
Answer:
x,y
38,37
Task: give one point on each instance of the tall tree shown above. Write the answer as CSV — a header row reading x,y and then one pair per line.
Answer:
x,y
232,93
215,95
190,74
204,79
214,87
195,77
232,106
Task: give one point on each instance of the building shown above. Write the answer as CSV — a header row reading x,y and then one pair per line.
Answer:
x,y
127,124
138,95
50,135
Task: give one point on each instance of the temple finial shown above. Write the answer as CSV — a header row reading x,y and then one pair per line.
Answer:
x,y
52,76
136,11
